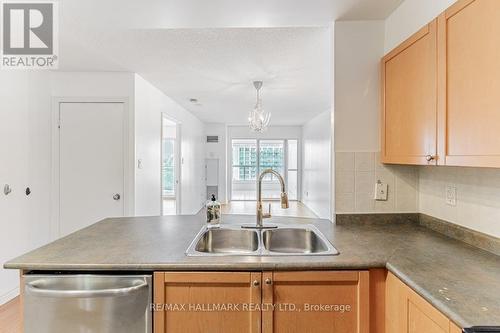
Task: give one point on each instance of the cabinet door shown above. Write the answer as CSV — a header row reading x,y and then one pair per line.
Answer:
x,y
469,86
396,305
409,100
407,312
206,302
336,302
423,317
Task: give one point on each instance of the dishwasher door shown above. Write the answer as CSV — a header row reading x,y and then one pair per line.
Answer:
x,y
87,303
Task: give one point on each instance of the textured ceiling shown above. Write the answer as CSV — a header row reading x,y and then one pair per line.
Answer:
x,y
213,50
217,67
154,14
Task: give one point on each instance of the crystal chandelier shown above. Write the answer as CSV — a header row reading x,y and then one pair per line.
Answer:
x,y
258,118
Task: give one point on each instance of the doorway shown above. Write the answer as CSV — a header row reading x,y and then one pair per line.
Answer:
x,y
170,170
90,160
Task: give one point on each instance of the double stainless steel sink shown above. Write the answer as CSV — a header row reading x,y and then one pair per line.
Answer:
x,y
232,240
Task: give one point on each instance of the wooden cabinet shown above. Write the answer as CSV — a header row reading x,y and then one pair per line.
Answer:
x,y
409,100
469,86
189,302
407,312
311,301
440,91
333,302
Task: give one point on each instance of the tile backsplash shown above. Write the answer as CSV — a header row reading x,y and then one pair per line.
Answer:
x,y
356,174
419,189
477,204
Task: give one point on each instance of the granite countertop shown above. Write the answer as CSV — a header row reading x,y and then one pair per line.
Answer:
x,y
461,281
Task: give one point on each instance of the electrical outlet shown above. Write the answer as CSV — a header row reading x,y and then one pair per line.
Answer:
x,y
381,191
451,195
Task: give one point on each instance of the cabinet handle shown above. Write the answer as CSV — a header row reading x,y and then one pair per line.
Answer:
x,y
256,283
429,158
269,281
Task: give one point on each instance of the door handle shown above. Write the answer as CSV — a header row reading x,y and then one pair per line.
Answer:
x,y
116,197
34,288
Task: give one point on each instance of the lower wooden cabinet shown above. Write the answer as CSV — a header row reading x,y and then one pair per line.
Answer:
x,y
207,302
319,301
407,312
310,301
297,301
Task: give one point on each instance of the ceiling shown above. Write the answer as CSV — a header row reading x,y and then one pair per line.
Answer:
x,y
213,50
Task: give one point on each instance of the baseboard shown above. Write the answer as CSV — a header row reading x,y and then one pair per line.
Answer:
x,y
9,296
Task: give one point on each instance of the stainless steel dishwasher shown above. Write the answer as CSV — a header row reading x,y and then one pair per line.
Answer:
x,y
87,303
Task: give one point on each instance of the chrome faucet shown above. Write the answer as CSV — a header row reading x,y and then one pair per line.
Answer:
x,y
260,211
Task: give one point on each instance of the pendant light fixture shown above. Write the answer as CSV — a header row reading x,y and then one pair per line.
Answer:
x,y
258,118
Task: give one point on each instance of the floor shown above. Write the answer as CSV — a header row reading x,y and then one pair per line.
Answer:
x,y
169,206
10,317
296,208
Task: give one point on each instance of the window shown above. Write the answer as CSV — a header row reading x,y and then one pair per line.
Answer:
x,y
247,164
168,168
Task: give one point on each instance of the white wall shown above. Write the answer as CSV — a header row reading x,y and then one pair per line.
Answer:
x,y
316,168
359,45
218,151
26,154
149,104
409,17
24,161
478,189
272,132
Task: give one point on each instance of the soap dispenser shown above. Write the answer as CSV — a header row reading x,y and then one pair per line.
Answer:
x,y
213,213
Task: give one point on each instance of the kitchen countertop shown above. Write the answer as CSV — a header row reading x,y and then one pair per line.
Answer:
x,y
461,281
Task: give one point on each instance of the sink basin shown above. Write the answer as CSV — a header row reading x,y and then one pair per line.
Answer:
x,y
285,240
293,240
228,241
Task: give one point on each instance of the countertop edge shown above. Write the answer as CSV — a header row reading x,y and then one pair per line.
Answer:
x,y
442,307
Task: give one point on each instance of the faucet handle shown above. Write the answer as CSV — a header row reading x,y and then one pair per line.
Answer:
x,y
268,214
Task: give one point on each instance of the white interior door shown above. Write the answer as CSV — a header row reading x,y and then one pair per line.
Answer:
x,y
91,164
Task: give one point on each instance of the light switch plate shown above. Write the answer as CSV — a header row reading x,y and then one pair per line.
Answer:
x,y
381,191
451,195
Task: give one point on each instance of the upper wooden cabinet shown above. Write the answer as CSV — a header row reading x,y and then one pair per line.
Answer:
x,y
469,85
409,100
441,91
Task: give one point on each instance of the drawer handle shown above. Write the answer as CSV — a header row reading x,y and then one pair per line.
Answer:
x,y
256,283
269,281
430,158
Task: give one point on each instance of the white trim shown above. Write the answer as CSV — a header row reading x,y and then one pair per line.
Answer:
x,y
9,296
178,159
128,156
